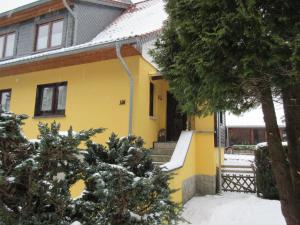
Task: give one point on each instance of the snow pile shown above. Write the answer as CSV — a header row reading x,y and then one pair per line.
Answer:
x,y
238,160
233,209
76,223
265,144
180,152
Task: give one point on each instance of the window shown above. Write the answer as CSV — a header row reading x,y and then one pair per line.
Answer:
x,y
151,106
49,35
7,45
51,99
5,100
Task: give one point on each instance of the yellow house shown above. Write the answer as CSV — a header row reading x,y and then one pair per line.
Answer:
x,y
86,64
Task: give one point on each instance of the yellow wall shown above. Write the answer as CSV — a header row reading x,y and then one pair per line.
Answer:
x,y
188,170
93,94
201,158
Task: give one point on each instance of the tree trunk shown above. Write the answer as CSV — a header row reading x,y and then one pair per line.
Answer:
x,y
291,101
281,168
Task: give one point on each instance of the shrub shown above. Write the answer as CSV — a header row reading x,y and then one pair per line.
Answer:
x,y
122,184
35,178
266,184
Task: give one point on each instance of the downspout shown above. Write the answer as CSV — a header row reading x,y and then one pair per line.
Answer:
x,y
131,86
219,152
75,20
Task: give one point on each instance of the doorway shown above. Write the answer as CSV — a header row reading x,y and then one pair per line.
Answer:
x,y
176,121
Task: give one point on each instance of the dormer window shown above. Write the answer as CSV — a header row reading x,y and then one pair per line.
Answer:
x,y
49,35
7,45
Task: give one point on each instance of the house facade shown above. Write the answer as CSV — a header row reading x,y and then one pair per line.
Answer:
x,y
86,64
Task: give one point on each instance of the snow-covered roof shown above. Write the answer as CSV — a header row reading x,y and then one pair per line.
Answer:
x,y
254,118
142,18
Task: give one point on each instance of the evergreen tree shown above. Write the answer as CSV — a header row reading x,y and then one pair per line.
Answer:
x,y
35,177
122,184
124,187
14,185
233,55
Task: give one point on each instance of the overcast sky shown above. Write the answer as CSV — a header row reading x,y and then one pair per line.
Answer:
x,y
7,5
254,117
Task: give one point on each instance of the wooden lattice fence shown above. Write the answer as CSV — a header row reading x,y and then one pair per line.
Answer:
x,y
238,179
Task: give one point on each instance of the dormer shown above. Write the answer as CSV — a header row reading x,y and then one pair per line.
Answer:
x,y
46,25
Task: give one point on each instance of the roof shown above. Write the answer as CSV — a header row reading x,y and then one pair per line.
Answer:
x,y
12,6
140,19
254,118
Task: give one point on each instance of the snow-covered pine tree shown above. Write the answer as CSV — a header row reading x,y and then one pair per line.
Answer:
x,y
14,185
35,178
124,187
122,184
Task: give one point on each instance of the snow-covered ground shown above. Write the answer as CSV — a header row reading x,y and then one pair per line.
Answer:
x,y
238,160
233,209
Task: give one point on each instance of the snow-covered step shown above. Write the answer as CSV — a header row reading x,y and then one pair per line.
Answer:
x,y
162,152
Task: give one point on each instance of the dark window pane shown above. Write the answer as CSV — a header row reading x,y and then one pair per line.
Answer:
x,y
10,45
42,37
57,33
151,106
47,99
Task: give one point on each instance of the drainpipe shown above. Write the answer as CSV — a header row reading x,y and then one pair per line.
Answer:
x,y
75,20
131,86
219,151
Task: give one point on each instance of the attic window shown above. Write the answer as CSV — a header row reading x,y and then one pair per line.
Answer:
x,y
49,35
7,45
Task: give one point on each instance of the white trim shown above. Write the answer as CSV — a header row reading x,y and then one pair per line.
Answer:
x,y
180,152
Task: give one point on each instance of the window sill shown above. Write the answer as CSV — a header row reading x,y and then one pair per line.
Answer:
x,y
48,116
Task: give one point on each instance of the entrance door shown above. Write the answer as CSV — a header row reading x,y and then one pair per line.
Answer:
x,y
176,121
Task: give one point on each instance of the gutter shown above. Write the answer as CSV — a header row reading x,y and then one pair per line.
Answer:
x,y
131,86
122,5
65,52
75,20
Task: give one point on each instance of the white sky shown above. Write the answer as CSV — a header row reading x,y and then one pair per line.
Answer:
x,y
7,5
254,118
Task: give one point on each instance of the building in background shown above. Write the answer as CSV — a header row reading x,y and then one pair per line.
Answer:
x,y
249,128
